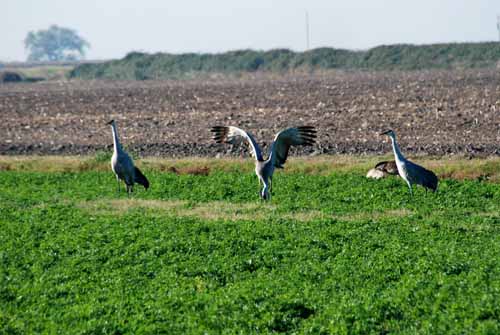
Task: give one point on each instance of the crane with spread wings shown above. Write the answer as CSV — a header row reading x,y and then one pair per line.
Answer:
x,y
278,153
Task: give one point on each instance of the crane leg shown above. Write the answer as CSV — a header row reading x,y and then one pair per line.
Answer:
x,y
411,191
263,184
118,186
270,184
129,190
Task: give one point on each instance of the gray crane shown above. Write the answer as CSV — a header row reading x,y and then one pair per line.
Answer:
x,y
409,171
278,152
123,166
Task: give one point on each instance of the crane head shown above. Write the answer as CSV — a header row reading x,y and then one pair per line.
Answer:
x,y
110,122
389,132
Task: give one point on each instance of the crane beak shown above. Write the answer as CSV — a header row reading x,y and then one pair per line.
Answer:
x,y
385,132
110,122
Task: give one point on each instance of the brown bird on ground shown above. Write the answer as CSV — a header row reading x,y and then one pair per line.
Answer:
x,y
383,169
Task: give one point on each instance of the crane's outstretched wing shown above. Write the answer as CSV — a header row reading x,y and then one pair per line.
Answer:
x,y
304,135
140,178
233,135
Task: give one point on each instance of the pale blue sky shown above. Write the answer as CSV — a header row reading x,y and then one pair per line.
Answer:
x,y
115,27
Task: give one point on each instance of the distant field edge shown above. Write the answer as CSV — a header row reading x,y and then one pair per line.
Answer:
x,y
144,66
451,167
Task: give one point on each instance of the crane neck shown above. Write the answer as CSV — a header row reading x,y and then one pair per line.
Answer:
x,y
397,153
270,155
116,142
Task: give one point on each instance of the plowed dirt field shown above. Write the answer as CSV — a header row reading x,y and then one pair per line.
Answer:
x,y
434,113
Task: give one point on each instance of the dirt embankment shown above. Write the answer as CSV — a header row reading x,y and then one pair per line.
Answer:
x,y
433,112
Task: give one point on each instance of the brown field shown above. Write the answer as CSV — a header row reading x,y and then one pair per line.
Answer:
x,y
434,113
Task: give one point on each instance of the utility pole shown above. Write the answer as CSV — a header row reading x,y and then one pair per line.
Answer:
x,y
498,27
307,30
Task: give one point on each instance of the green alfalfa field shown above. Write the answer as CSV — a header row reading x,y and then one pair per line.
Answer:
x,y
332,253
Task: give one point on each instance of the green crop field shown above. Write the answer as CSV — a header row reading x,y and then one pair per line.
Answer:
x,y
199,253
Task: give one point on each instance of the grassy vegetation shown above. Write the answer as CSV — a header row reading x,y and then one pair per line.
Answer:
x,y
332,253
40,72
47,72
452,167
142,66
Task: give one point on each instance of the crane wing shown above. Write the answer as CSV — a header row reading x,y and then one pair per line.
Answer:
x,y
233,135
304,135
420,175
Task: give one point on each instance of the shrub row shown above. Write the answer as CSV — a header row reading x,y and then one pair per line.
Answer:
x,y
141,66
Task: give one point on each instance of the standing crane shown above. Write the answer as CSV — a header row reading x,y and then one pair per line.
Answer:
x,y
409,171
123,166
278,152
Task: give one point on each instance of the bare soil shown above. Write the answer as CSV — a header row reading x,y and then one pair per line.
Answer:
x,y
433,112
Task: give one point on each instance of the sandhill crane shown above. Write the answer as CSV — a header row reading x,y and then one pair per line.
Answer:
x,y
411,172
278,152
123,166
383,169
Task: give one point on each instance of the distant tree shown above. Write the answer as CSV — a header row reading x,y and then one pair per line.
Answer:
x,y
55,44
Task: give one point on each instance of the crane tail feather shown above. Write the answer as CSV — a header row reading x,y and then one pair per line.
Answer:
x,y
428,179
140,178
431,181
